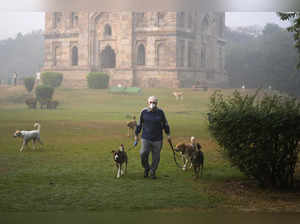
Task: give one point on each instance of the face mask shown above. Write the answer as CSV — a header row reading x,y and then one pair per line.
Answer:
x,y
152,106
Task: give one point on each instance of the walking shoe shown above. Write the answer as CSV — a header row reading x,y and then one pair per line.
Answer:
x,y
146,173
152,174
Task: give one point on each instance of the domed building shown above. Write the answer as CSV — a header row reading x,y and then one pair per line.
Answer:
x,y
144,49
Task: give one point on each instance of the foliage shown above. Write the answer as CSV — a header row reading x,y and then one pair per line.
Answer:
x,y
260,137
52,104
53,79
294,17
44,94
23,54
262,59
31,103
97,80
29,83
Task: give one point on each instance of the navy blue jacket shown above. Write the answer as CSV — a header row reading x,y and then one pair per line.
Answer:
x,y
152,123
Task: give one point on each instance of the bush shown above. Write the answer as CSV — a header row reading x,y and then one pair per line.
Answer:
x,y
52,104
29,83
53,79
97,80
44,94
31,103
260,137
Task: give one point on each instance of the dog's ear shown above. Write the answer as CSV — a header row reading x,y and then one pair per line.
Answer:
x,y
199,146
113,151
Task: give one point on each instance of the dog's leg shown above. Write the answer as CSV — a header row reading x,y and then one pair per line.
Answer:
x,y
40,141
196,171
33,143
125,171
22,147
119,171
191,164
201,167
185,164
128,132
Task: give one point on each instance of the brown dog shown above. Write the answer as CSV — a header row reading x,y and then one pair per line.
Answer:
x,y
131,125
192,156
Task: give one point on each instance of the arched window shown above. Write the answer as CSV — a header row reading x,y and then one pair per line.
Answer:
x,y
74,56
140,19
190,21
74,19
108,58
160,19
180,19
161,55
203,56
55,55
205,24
57,16
141,55
180,53
107,30
190,54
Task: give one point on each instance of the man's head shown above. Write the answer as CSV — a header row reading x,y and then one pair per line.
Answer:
x,y
152,102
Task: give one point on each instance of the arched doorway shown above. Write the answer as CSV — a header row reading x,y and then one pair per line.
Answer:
x,y
74,56
108,58
141,55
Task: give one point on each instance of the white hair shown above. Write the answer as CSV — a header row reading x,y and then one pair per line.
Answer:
x,y
152,99
193,139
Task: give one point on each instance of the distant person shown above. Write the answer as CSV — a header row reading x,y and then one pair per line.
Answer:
x,y
38,77
15,77
243,87
152,122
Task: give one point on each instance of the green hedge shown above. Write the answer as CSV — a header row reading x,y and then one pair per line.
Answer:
x,y
44,94
53,79
29,83
97,80
259,136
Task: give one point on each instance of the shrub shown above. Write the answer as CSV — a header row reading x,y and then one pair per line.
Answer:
x,y
31,103
52,104
53,79
29,83
44,94
260,137
97,80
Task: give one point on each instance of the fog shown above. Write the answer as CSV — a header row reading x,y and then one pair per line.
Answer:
x,y
12,23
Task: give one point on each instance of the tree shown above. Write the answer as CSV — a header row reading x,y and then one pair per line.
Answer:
x,y
29,83
259,61
294,17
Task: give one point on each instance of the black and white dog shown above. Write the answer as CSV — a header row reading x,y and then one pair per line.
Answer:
x,y
27,136
120,158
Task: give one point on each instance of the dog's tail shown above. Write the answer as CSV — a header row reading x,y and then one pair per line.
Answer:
x,y
37,126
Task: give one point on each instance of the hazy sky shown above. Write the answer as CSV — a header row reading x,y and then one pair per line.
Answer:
x,y
13,22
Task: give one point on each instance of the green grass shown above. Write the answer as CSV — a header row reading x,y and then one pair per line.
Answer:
x,y
74,171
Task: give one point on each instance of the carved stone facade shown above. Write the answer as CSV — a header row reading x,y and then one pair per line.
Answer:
x,y
150,49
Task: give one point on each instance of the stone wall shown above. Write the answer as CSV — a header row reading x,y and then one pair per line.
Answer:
x,y
179,47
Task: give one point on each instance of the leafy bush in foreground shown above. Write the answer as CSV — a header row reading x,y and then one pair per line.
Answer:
x,y
260,137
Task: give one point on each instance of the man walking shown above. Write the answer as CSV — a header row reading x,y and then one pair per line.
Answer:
x,y
152,122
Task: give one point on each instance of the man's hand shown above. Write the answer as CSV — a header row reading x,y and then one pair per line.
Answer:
x,y
136,141
169,137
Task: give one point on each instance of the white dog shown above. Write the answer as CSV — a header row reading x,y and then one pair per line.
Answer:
x,y
178,95
33,135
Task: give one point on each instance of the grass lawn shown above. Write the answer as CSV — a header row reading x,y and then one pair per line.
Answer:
x,y
74,171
